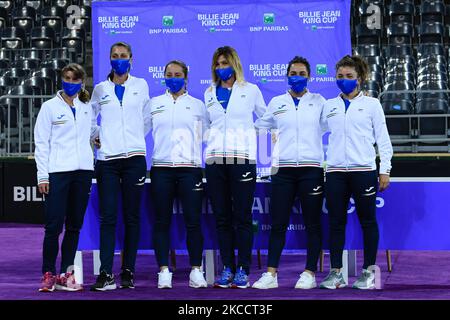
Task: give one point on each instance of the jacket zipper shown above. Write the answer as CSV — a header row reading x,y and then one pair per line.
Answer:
x,y
123,125
171,133
296,127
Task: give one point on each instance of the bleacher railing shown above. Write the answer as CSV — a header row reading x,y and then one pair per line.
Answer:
x,y
415,140
18,120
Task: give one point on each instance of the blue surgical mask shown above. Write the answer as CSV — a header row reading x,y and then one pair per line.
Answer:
x,y
225,73
297,83
71,89
174,84
121,66
347,85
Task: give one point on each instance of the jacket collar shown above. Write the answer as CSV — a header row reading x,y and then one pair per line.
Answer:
x,y
76,100
126,83
359,96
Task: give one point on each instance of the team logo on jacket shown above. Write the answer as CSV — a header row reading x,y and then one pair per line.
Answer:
x,y
332,113
55,123
103,98
60,117
282,106
160,107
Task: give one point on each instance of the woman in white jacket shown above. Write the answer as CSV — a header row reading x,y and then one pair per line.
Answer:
x,y
356,123
123,103
64,160
297,170
178,123
231,103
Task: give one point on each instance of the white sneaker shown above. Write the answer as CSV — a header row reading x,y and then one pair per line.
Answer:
x,y
196,279
165,279
366,280
267,281
306,281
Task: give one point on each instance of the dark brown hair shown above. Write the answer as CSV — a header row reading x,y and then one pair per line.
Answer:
x,y
178,63
78,73
119,44
298,59
359,63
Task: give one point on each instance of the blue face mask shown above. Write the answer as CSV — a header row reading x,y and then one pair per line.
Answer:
x,y
71,89
347,85
174,84
225,73
121,66
297,83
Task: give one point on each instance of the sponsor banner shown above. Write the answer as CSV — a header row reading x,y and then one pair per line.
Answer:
x,y
266,36
411,216
22,201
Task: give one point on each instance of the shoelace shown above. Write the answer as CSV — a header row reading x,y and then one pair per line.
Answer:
x,y
241,276
332,274
226,274
47,278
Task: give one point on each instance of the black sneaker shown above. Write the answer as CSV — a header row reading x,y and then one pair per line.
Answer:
x,y
126,279
104,282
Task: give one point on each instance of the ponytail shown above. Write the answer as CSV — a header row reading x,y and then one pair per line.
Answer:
x,y
84,95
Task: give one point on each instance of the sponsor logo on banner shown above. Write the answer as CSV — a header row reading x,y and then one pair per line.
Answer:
x,y
113,25
269,72
317,20
268,24
168,26
321,74
218,22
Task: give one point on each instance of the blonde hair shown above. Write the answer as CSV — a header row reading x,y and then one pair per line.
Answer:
x,y
232,57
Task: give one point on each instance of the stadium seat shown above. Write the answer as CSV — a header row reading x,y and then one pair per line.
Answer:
x,y
62,53
368,50
17,74
378,60
398,50
7,5
24,17
13,38
56,64
26,64
42,38
51,74
3,18
430,49
73,40
397,107
365,35
61,3
39,82
6,54
54,17
402,11
431,32
6,82
400,33
432,10
31,53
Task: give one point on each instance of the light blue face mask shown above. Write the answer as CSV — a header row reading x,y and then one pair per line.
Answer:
x,y
174,84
